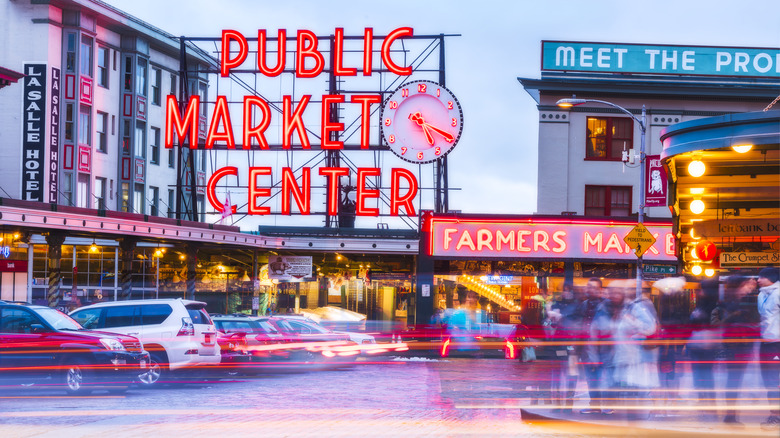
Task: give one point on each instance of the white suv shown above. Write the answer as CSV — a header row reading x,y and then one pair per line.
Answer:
x,y
177,333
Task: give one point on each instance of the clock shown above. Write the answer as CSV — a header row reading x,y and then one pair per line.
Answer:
x,y
421,121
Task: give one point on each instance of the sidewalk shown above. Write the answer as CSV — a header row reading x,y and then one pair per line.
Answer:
x,y
666,413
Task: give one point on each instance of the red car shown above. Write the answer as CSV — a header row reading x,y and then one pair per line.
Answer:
x,y
43,345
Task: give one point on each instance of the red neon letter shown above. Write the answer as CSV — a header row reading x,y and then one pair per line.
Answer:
x,y
255,191
307,48
226,63
262,53
396,200
302,195
221,115
365,115
368,47
363,193
173,121
393,67
558,238
327,125
294,122
338,56
333,174
211,192
256,132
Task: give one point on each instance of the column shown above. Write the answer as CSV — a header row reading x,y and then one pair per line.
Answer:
x,y
54,240
127,253
192,266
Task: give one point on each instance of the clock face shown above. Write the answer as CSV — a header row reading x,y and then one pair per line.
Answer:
x,y
421,121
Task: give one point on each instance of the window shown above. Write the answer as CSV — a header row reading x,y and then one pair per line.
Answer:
x,y
83,196
100,193
70,54
198,315
171,201
202,164
607,137
154,203
171,158
155,313
202,93
103,64
69,122
67,188
88,318
101,128
140,140
607,200
85,56
140,77
85,132
121,316
125,196
173,84
155,158
156,79
138,199
17,321
126,137
128,74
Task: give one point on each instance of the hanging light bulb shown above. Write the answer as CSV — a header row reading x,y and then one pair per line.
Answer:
x,y
696,270
697,206
742,148
93,248
696,168
709,272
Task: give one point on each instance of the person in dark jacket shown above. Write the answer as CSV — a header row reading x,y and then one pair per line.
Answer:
x,y
567,324
704,340
737,317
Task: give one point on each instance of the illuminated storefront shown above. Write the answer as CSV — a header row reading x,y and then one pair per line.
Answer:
x,y
507,259
725,174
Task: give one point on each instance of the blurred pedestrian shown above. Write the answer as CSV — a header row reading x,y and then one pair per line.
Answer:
x,y
737,317
673,316
769,352
567,324
603,330
636,359
704,340
588,352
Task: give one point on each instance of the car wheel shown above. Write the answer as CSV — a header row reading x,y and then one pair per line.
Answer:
x,y
76,377
156,370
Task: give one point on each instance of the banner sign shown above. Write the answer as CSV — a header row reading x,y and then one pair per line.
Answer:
x,y
737,228
749,259
655,182
289,268
33,132
54,134
660,59
545,239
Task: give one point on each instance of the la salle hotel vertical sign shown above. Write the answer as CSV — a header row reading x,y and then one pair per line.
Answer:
x,y
33,132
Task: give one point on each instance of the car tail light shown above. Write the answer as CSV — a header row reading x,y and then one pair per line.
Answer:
x,y
445,348
187,328
510,350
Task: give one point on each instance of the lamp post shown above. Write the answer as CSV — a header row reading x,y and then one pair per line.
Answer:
x,y
568,103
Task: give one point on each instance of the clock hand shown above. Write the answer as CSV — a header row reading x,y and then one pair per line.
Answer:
x,y
417,118
447,136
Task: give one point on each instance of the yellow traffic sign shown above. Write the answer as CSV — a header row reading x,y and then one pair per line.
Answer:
x,y
640,239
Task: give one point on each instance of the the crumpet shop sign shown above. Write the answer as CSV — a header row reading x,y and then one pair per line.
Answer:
x,y
660,59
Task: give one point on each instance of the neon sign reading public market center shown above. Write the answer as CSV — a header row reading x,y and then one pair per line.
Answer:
x,y
309,63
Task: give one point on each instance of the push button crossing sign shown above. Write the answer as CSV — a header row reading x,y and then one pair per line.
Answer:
x,y
640,239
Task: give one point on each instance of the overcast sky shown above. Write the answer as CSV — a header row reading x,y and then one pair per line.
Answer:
x,y
495,161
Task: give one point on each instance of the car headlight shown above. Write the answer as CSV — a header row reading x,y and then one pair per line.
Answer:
x,y
112,344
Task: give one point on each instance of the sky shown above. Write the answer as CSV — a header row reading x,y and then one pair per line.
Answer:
x,y
495,162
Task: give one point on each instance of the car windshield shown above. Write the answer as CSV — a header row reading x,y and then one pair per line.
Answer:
x,y
58,320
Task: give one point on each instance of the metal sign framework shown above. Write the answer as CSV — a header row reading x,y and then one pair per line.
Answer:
x,y
424,53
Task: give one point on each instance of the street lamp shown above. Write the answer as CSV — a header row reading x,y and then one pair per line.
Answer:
x,y
568,103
